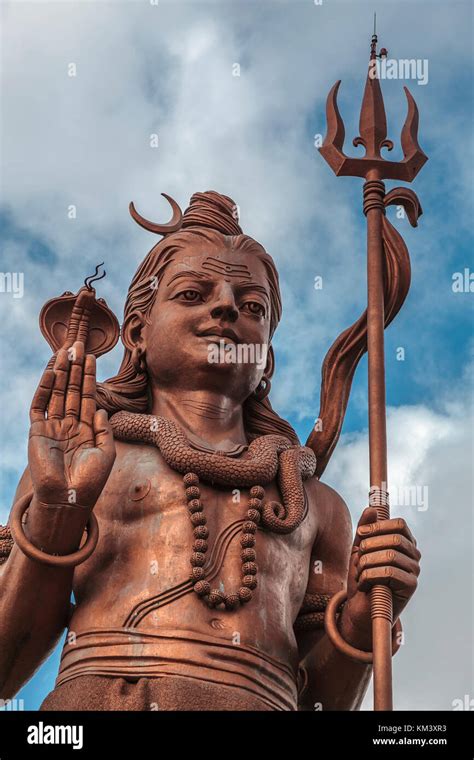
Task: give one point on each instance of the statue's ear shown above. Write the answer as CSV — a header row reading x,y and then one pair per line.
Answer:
x,y
270,365
132,330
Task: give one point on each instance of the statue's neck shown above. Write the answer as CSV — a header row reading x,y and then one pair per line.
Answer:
x,y
207,418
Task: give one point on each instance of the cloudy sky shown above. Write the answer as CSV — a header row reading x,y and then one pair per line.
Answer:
x,y
168,68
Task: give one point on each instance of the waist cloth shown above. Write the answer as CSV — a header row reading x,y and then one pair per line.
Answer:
x,y
128,652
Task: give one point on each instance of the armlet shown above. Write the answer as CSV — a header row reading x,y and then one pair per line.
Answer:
x,y
311,614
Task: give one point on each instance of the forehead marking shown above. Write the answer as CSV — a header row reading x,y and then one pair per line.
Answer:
x,y
229,270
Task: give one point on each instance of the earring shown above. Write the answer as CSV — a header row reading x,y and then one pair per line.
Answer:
x,y
138,360
263,388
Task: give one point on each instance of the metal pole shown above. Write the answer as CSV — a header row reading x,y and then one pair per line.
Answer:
x,y
381,596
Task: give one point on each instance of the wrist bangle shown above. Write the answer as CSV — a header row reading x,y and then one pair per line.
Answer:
x,y
334,635
60,504
56,560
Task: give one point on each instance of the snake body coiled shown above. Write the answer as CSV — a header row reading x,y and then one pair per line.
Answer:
x,y
267,457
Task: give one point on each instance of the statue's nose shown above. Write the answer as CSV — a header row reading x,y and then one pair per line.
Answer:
x,y
224,306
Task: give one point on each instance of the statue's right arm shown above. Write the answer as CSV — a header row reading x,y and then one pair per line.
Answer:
x,y
71,453
34,608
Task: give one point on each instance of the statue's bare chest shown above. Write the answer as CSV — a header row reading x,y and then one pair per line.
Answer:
x,y
144,491
146,541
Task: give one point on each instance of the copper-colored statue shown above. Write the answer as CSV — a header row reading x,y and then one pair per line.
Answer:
x,y
203,550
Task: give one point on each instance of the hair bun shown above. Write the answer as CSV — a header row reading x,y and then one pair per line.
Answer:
x,y
211,209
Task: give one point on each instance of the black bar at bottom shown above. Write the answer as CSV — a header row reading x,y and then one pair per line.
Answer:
x,y
423,734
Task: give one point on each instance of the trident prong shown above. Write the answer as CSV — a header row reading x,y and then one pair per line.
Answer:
x,y
373,138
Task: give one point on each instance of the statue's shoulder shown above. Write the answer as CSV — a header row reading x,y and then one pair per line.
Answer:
x,y
332,512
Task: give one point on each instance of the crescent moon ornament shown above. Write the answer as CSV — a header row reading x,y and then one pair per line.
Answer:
x,y
160,229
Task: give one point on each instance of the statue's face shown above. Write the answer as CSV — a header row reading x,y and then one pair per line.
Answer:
x,y
210,322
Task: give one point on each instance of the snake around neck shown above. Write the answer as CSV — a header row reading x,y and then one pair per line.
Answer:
x,y
267,457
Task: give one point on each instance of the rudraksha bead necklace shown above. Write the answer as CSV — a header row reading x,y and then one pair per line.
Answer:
x,y
214,597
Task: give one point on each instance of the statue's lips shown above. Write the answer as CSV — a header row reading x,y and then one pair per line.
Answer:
x,y
215,335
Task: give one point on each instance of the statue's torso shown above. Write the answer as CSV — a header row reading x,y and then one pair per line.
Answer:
x,y
138,576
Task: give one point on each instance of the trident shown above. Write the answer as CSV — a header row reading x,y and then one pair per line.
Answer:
x,y
374,168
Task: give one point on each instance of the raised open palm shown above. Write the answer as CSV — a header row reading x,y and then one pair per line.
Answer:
x,y
71,448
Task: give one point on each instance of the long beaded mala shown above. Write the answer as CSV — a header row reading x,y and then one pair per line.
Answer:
x,y
213,597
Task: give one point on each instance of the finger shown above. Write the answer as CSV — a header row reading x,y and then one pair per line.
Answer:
x,y
401,582
61,373
387,557
73,396
394,525
104,437
42,395
88,401
369,515
392,541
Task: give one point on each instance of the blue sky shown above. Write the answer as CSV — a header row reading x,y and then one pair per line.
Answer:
x,y
168,70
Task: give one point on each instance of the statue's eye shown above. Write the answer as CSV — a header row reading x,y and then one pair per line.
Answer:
x,y
190,295
255,308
